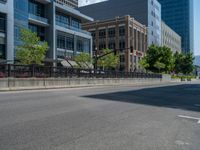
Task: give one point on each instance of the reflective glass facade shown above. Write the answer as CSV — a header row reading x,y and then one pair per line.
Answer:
x,y
67,21
2,48
178,14
69,45
39,30
2,38
46,18
2,23
36,8
20,18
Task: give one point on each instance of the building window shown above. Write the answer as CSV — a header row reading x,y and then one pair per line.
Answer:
x,y
69,42
142,42
122,45
122,59
102,46
102,33
111,45
62,20
153,13
36,8
2,48
65,41
76,23
152,23
111,32
39,30
135,59
83,45
17,32
2,23
121,31
93,33
135,39
139,40
61,42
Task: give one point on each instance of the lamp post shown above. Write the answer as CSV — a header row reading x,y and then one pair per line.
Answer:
x,y
95,61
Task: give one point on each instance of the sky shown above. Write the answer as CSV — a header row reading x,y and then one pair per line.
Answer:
x,y
196,22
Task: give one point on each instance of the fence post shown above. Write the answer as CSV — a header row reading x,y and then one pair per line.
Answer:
x,y
9,70
50,71
32,70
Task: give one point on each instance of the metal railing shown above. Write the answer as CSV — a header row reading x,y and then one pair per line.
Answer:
x,y
71,28
27,71
41,19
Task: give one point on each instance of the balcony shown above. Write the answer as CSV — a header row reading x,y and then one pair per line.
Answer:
x,y
38,20
72,28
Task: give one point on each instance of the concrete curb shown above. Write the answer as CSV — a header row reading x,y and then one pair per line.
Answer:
x,y
14,84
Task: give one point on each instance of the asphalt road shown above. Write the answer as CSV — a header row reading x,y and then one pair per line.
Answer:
x,y
102,118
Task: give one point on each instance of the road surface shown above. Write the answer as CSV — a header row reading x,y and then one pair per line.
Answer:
x,y
102,118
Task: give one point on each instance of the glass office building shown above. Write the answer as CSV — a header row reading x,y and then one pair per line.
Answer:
x,y
54,21
6,31
2,36
178,14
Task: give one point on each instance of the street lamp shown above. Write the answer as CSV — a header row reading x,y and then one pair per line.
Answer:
x,y
95,61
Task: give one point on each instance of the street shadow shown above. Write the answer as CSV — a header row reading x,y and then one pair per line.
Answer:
x,y
186,97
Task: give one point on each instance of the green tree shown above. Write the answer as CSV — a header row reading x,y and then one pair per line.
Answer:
x,y
178,60
158,65
32,50
84,60
109,61
143,63
183,63
158,59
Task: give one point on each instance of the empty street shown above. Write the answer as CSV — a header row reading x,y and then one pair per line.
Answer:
x,y
102,118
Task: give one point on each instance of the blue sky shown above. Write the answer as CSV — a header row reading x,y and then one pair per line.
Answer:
x,y
196,22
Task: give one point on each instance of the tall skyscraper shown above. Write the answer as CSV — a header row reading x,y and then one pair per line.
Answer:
x,y
178,14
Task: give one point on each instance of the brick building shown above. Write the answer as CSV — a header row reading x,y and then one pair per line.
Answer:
x,y
120,33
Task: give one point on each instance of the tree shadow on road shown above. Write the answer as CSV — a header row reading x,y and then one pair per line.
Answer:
x,y
186,97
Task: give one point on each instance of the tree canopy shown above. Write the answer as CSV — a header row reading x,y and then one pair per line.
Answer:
x,y
84,60
158,59
162,60
32,50
183,63
109,61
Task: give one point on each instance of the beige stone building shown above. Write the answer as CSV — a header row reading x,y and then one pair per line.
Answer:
x,y
120,34
170,38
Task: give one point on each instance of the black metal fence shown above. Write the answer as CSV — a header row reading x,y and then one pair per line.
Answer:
x,y
27,71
